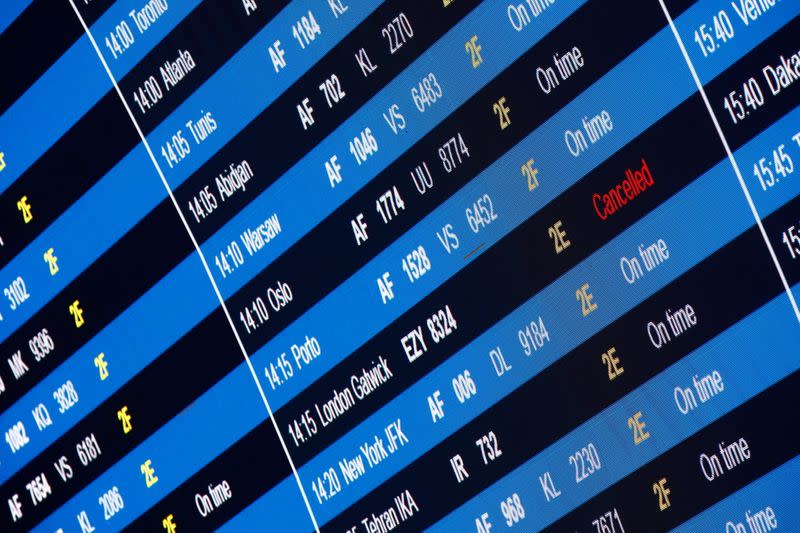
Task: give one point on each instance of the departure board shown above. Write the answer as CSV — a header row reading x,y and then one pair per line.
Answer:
x,y
400,265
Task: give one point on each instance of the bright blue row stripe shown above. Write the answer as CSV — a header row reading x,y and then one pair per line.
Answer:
x,y
284,509
10,10
120,202
727,52
254,516
69,88
776,490
768,336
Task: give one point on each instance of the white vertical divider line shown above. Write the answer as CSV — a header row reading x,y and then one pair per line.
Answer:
x,y
732,160
203,259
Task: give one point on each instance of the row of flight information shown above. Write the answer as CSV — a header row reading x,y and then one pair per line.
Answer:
x,y
363,266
